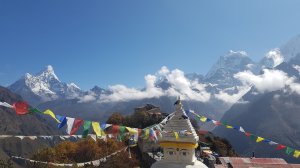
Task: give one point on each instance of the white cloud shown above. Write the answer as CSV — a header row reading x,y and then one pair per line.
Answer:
x,y
87,98
163,71
276,56
232,98
241,53
179,86
270,80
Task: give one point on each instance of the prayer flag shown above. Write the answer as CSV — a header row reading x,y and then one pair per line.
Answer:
x,y
21,108
97,129
296,153
63,121
70,122
203,119
272,143
50,113
259,139
176,135
289,150
76,125
6,105
86,128
280,147
241,129
229,126
34,110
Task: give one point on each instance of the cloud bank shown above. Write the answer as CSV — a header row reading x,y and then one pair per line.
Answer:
x,y
179,85
270,80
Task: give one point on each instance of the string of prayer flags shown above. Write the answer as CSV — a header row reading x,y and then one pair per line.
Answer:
x,y
288,150
50,113
21,108
77,123
86,127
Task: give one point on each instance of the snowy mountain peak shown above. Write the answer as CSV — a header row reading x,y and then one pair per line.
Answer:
x,y
233,61
48,74
291,49
45,85
232,53
73,85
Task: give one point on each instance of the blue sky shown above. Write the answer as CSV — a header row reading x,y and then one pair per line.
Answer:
x,y
118,42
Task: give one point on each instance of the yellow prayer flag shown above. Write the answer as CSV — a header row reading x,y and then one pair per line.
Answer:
x,y
50,113
131,130
229,126
146,134
259,139
176,135
296,153
203,119
97,128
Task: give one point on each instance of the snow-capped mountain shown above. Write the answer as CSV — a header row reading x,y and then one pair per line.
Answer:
x,y
222,72
44,86
291,48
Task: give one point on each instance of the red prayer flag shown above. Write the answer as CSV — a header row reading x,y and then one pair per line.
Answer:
x,y
115,129
218,123
247,134
280,147
21,108
76,125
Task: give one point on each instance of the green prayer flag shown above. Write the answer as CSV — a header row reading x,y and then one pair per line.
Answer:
x,y
86,128
122,130
289,150
224,123
253,137
34,110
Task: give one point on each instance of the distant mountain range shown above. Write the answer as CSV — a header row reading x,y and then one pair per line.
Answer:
x,y
219,86
261,96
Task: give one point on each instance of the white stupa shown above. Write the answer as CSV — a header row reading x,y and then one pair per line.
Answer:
x,y
179,141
